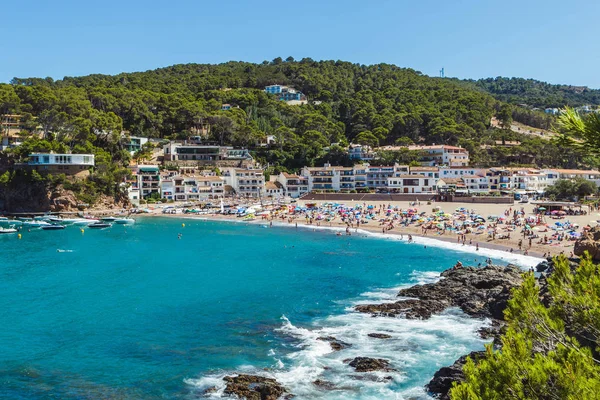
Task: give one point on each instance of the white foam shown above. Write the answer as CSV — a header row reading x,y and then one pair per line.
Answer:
x,y
436,342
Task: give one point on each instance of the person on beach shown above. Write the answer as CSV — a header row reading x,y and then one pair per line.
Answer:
x,y
476,246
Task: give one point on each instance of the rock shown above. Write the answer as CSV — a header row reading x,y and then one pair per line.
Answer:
x,y
410,309
479,292
590,242
326,385
443,379
209,390
379,335
335,344
367,364
372,378
254,387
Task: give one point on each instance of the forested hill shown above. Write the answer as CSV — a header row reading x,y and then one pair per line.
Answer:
x,y
536,93
381,101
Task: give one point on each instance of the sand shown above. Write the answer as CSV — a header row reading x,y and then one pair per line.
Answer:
x,y
482,240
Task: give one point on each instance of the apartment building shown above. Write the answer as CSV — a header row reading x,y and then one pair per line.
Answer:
x,y
248,182
293,185
410,183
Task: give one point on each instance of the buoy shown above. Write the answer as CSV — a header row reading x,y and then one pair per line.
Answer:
x,y
82,230
20,236
183,225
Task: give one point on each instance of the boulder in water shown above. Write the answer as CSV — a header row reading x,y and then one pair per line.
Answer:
x,y
443,379
335,344
253,387
379,335
367,364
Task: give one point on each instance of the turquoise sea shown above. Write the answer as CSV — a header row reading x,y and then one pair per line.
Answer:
x,y
134,312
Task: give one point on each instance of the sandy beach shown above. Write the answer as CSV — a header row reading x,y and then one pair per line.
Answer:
x,y
533,248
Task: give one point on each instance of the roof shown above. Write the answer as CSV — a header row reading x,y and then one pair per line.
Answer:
x,y
273,185
290,176
451,181
575,171
411,176
433,169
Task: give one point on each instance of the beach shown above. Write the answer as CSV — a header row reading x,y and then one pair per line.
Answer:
x,y
512,242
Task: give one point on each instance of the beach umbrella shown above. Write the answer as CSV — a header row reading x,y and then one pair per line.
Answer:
x,y
542,208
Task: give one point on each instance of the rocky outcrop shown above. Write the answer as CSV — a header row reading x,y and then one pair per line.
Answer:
x,y
253,387
367,364
479,292
379,335
335,344
590,242
324,385
443,379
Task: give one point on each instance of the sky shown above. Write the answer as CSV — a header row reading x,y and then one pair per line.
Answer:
x,y
553,41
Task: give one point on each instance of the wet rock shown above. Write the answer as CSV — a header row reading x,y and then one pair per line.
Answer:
x,y
379,335
254,387
367,364
209,390
372,378
479,292
410,309
325,385
335,344
443,379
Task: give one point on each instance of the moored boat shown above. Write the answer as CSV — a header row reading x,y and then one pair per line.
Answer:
x,y
108,219
123,221
99,225
85,221
7,230
35,224
53,227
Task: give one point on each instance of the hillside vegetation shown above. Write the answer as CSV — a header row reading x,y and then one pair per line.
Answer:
x,y
377,104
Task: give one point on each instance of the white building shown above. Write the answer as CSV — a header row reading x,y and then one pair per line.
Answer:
x,y
274,189
435,155
329,178
70,164
194,188
411,183
361,152
245,182
293,185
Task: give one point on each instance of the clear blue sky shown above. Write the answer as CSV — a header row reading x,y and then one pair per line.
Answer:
x,y
554,41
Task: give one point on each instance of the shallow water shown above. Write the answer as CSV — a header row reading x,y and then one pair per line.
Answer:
x,y
135,312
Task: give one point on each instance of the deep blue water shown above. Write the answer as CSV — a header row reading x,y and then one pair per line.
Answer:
x,y
135,312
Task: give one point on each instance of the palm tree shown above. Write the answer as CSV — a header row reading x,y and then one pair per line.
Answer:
x,y
581,132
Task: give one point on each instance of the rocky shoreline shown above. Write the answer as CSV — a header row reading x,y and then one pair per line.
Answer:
x,y
479,292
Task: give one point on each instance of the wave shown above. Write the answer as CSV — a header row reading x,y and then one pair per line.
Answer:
x,y
415,349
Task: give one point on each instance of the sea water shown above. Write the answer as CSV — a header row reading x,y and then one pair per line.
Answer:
x,y
162,310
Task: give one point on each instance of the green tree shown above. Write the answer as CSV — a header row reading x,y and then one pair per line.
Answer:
x,y
367,138
505,116
542,356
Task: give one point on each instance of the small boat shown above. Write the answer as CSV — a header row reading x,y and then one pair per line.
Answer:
x,y
8,230
108,219
123,221
25,218
53,227
85,221
99,225
35,224
3,219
